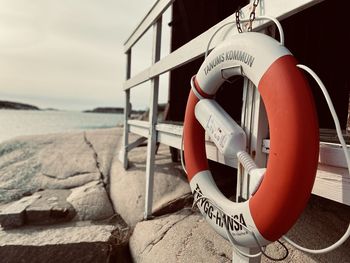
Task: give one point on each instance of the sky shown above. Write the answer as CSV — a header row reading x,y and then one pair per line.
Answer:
x,y
68,54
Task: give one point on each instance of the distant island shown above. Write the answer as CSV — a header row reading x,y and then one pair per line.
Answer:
x,y
106,110
115,110
10,105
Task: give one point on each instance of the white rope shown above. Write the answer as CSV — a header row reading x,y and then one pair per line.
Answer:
x,y
343,144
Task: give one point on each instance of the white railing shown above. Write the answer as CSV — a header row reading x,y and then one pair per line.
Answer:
x,y
253,118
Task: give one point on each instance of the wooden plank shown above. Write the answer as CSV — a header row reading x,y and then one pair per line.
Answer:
x,y
169,139
254,122
142,131
170,128
196,47
138,79
330,135
127,109
330,153
138,123
136,143
332,183
153,115
155,12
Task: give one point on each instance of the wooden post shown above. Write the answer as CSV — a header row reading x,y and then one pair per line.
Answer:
x,y
153,114
254,123
127,109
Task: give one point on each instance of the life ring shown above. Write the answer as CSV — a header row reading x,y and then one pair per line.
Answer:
x,y
294,144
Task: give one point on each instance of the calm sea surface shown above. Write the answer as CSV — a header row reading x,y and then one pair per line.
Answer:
x,y
26,122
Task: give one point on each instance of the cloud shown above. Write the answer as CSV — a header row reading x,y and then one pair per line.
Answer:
x,y
69,50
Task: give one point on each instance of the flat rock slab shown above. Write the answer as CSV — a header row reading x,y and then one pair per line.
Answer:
x,y
180,237
79,242
55,161
13,215
51,208
127,187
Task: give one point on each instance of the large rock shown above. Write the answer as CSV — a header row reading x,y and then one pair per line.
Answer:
x,y
105,143
180,237
54,161
127,187
79,242
91,202
186,237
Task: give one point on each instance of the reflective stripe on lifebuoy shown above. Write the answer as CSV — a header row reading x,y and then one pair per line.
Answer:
x,y
294,144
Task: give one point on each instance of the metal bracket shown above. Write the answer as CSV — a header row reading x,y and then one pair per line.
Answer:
x,y
226,73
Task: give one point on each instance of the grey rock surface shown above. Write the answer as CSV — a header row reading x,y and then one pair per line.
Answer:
x,y
67,157
71,242
14,214
51,208
74,232
180,237
91,202
322,223
105,143
127,188
76,161
54,161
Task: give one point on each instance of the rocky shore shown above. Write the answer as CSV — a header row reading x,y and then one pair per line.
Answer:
x,y
113,110
16,106
67,198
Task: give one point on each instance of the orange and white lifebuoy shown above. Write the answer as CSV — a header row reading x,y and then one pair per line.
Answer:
x,y
294,144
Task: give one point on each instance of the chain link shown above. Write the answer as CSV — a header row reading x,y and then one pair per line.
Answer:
x,y
238,23
251,18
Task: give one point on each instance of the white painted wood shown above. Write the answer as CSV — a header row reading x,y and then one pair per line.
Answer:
x,y
142,131
247,123
169,139
330,153
196,47
136,143
170,135
127,110
332,183
153,115
139,78
138,123
151,17
170,128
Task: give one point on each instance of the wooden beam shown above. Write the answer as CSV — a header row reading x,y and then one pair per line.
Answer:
x,y
153,115
196,47
127,110
332,183
151,17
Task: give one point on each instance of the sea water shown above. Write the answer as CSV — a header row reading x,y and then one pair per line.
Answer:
x,y
15,123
